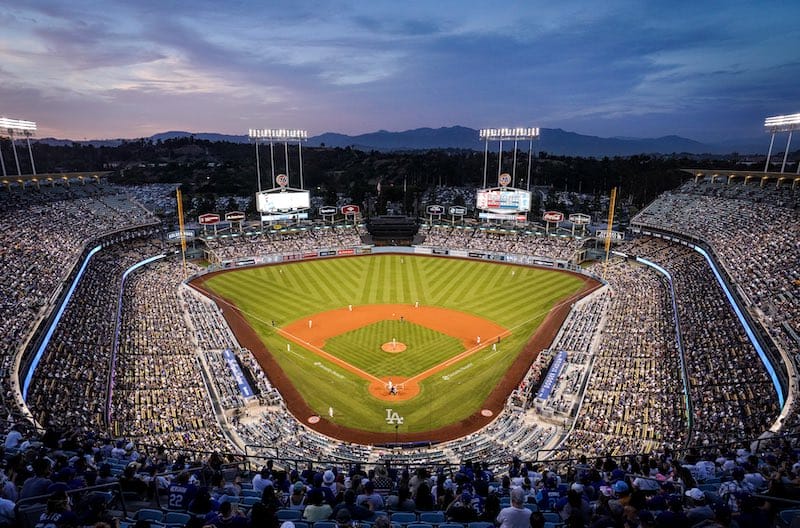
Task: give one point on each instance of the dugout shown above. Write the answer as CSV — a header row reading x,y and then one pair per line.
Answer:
x,y
392,230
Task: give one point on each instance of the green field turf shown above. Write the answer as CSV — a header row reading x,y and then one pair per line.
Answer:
x,y
515,297
362,348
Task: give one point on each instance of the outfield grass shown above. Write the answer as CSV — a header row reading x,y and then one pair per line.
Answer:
x,y
517,298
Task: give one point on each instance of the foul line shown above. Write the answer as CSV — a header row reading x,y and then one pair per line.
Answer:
x,y
455,359
330,357
418,377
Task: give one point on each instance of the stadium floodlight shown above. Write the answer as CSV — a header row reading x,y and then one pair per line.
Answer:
x,y
17,125
781,123
278,134
507,134
281,135
26,128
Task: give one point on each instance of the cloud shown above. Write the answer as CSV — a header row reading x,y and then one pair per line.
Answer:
x,y
625,66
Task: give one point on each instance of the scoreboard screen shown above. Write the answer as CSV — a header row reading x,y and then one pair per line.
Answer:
x,y
273,202
504,200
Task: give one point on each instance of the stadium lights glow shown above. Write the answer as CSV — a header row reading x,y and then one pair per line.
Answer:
x,y
501,134
279,134
782,123
17,125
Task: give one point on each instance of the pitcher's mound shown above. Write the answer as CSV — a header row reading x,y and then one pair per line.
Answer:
x,y
393,347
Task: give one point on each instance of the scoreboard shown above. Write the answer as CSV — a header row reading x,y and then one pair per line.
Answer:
x,y
282,201
504,200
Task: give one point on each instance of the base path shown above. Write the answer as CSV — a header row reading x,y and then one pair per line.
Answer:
x,y
467,328
542,339
463,326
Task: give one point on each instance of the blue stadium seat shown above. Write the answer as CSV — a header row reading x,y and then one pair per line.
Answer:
x,y
249,501
552,517
288,515
148,514
403,517
176,519
434,517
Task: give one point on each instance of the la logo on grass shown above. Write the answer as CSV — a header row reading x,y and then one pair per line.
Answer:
x,y
393,418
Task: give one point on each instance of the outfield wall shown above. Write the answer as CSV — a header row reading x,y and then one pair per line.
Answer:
x,y
507,258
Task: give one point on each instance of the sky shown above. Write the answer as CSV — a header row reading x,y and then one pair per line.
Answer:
x,y
709,70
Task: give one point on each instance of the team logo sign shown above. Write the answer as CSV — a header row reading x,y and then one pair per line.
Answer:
x,y
282,180
392,418
504,179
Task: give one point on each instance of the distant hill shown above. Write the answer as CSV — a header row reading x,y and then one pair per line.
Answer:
x,y
553,140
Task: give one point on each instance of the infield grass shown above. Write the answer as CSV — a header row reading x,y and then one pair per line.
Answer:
x,y
515,297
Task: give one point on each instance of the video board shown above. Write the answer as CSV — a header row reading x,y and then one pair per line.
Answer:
x,y
503,200
281,201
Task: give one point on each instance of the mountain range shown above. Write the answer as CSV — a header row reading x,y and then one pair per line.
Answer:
x,y
552,140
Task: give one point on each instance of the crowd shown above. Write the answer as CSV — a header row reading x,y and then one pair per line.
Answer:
x,y
213,336
34,271
737,485
732,396
755,234
501,241
284,241
634,397
621,345
75,364
158,389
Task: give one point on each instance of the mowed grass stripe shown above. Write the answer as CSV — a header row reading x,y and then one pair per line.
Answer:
x,y
482,288
327,287
447,285
373,282
344,275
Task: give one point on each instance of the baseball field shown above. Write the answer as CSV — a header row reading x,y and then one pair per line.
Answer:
x,y
393,346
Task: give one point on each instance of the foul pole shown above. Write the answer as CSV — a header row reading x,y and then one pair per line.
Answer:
x,y
609,229
180,228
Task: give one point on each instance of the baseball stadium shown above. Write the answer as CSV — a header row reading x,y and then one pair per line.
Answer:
x,y
313,347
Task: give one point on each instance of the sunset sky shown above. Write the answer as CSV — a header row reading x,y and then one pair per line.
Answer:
x,y
707,70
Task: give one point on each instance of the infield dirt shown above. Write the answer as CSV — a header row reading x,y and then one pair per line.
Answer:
x,y
541,339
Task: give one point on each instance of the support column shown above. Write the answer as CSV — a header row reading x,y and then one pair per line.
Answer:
x,y
258,167
300,157
769,153
786,152
286,156
485,162
272,161
499,162
30,153
14,148
3,163
514,166
530,153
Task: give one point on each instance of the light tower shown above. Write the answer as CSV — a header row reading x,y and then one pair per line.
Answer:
x,y
781,123
280,135
8,127
508,134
